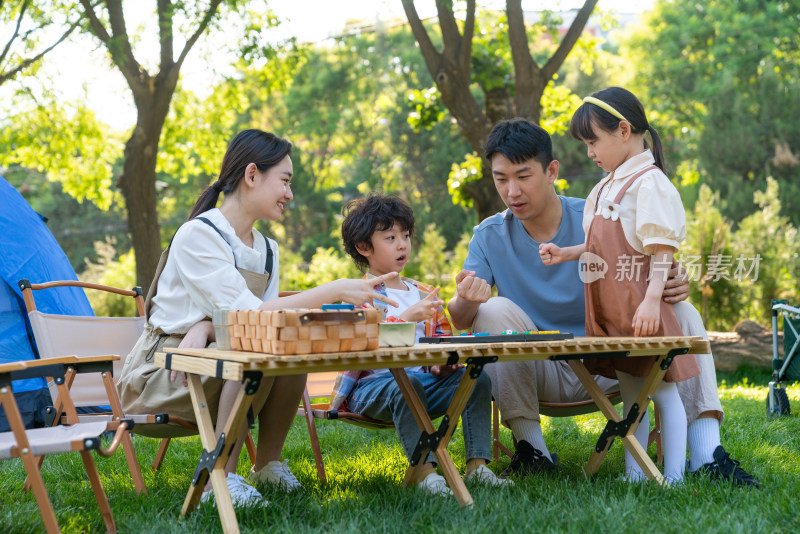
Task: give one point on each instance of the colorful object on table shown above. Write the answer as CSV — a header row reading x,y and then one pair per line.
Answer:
x,y
346,307
393,319
484,337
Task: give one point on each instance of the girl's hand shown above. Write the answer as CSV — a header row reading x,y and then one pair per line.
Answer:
x,y
471,288
551,254
424,309
198,337
360,292
647,318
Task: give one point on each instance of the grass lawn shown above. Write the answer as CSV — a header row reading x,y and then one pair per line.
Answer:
x,y
365,492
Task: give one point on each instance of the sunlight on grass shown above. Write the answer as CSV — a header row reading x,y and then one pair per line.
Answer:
x,y
365,489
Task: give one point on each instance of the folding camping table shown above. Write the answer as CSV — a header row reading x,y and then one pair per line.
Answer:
x,y
249,368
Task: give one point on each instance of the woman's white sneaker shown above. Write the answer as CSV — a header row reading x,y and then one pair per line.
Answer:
x,y
276,473
242,492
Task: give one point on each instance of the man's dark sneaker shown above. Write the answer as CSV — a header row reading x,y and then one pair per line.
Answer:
x,y
528,460
726,468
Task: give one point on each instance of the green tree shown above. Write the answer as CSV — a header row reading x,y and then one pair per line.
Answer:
x,y
33,35
152,95
729,103
344,105
507,90
767,253
707,254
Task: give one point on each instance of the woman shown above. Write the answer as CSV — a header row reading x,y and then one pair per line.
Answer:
x,y
218,260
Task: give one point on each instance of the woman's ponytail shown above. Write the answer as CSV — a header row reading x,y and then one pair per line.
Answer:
x,y
658,151
207,200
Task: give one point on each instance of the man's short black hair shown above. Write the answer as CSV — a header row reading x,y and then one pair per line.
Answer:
x,y
374,213
520,140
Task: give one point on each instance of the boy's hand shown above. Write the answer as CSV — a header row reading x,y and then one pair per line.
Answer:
x,y
551,254
424,309
647,318
471,288
441,371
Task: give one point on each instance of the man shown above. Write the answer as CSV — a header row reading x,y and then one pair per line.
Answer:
x,y
504,252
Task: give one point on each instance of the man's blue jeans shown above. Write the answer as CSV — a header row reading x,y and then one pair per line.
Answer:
x,y
380,398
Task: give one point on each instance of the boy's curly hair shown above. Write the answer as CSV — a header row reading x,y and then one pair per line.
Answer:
x,y
373,213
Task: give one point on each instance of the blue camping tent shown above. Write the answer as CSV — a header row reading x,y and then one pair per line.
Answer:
x,y
29,250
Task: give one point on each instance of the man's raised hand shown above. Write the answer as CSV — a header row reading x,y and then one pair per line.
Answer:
x,y
471,288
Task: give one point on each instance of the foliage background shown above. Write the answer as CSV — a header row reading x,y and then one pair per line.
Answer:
x,y
718,79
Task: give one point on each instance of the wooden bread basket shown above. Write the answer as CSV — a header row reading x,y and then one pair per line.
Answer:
x,y
297,331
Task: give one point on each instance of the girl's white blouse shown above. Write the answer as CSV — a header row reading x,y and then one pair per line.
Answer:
x,y
651,210
200,274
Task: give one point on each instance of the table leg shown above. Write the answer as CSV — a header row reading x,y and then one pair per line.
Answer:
x,y
453,414
210,445
616,426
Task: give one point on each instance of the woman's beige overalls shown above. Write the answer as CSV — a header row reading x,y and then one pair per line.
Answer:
x,y
611,304
145,388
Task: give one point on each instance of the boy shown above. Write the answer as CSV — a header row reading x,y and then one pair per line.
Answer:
x,y
377,233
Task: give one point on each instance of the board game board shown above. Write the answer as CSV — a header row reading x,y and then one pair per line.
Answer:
x,y
499,338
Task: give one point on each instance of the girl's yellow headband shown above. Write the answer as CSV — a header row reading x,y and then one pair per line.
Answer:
x,y
599,103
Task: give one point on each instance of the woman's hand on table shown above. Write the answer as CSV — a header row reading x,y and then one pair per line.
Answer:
x,y
198,337
360,292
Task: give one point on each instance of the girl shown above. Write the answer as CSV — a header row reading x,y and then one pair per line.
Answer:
x,y
634,221
217,260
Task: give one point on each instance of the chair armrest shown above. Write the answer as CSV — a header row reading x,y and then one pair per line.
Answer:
x,y
61,360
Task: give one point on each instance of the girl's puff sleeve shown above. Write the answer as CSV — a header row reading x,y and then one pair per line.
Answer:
x,y
591,206
660,217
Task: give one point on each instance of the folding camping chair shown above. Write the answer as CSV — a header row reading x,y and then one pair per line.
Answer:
x,y
786,368
569,409
320,385
57,335
60,335
82,437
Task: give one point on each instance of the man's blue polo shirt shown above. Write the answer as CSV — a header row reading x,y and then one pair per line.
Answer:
x,y
502,253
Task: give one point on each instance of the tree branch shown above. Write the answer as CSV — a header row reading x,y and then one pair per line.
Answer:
x,y
16,29
5,76
429,52
465,59
210,13
569,40
97,27
165,33
447,22
527,74
8,75
118,45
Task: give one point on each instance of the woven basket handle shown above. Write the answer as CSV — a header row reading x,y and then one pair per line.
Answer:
x,y
333,317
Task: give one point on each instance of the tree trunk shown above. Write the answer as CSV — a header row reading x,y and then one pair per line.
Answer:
x,y
138,181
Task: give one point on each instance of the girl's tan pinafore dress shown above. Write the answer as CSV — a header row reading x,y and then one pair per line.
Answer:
x,y
611,304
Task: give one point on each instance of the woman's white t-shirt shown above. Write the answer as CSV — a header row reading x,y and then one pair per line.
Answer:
x,y
200,274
